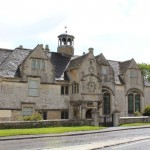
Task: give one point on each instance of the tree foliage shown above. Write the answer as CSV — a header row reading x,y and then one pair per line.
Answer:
x,y
145,68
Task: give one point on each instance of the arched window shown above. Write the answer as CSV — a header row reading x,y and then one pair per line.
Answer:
x,y
134,102
106,103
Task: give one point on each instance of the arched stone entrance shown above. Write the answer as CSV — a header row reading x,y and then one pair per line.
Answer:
x,y
88,114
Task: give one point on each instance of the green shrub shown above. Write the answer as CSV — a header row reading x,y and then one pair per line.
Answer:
x,y
146,111
33,117
137,114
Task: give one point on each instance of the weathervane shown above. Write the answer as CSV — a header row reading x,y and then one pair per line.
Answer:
x,y
66,29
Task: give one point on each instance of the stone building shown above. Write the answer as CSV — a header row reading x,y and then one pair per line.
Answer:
x,y
60,85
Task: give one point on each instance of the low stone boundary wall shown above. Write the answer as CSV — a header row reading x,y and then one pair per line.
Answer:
x,y
43,123
126,120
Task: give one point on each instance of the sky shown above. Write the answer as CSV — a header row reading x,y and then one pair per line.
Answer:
x,y
120,29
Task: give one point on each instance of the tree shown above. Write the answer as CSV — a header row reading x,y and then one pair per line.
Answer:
x,y
145,68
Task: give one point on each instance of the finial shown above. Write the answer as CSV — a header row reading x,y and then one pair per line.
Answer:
x,y
66,29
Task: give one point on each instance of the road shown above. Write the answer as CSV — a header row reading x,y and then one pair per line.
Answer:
x,y
138,145
87,141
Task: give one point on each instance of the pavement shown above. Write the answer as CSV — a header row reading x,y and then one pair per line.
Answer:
x,y
88,146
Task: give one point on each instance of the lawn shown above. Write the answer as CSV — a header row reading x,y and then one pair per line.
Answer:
x,y
50,130
135,124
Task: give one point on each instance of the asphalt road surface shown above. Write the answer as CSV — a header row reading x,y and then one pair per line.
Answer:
x,y
138,145
82,141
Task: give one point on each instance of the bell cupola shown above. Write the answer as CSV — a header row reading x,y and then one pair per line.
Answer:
x,y
65,44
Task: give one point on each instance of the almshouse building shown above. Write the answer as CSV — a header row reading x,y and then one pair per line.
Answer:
x,y
60,85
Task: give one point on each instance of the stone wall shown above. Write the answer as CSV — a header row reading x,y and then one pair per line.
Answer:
x,y
13,94
39,124
126,120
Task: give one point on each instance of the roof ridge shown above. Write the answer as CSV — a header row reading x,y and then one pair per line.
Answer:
x,y
80,56
126,61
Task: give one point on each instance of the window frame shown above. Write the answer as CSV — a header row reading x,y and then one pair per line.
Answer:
x,y
133,73
64,90
136,102
64,114
106,106
33,88
28,105
104,70
38,64
75,88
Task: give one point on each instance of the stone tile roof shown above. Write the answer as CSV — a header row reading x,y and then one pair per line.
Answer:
x,y
115,67
4,53
10,66
11,59
124,66
119,68
60,62
75,63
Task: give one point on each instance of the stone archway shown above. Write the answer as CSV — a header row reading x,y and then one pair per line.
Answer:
x,y
88,114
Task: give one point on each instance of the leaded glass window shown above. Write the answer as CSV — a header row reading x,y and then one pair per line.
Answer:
x,y
130,104
106,103
27,111
134,102
64,90
133,73
75,88
64,114
38,64
33,87
137,102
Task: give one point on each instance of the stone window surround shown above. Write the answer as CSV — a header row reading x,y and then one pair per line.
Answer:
x,y
27,105
104,70
75,88
64,114
32,88
134,93
38,64
107,91
64,89
133,73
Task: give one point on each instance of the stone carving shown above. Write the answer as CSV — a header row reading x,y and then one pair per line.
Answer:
x,y
91,69
83,85
82,74
95,104
91,86
84,105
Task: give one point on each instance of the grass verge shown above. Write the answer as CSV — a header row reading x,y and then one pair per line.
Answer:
x,y
50,130
135,124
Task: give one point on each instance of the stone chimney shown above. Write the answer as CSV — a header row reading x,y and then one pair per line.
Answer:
x,y
91,50
20,47
46,48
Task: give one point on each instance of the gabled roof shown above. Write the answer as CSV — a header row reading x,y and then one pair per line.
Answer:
x,y
4,53
10,66
124,66
75,63
101,60
60,61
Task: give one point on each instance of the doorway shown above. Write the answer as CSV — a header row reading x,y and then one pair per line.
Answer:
x,y
89,114
44,115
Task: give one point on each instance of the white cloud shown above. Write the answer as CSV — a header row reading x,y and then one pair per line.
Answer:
x,y
120,29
